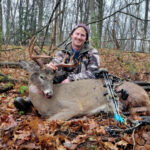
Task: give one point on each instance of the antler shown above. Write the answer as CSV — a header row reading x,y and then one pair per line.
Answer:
x,y
35,57
70,64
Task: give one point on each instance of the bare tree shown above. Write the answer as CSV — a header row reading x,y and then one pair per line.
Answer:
x,y
100,17
61,21
21,20
40,15
8,20
1,22
145,25
33,17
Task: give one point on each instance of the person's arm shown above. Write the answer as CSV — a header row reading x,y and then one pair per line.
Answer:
x,y
92,65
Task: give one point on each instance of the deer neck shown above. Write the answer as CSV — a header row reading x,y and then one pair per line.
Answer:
x,y
34,89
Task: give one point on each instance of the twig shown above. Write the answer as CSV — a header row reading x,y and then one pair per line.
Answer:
x,y
50,20
118,11
5,50
133,139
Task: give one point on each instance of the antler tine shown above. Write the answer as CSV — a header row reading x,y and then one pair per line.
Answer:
x,y
35,57
31,48
63,64
64,58
71,58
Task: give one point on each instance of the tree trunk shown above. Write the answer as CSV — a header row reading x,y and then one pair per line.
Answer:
x,y
115,39
53,36
8,21
87,12
20,21
100,17
61,22
40,17
26,18
94,34
1,22
33,18
145,25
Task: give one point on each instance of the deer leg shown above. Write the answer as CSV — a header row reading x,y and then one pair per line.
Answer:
x,y
138,110
63,115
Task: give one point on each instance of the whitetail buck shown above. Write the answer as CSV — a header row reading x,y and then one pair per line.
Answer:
x,y
64,101
84,97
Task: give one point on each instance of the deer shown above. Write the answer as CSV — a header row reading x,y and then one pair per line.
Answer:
x,y
78,98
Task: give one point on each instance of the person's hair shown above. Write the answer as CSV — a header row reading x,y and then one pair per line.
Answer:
x,y
85,28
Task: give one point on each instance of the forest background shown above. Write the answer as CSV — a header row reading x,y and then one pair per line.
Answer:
x,y
123,25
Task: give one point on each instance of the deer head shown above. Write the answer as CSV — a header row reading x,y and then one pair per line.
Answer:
x,y
41,80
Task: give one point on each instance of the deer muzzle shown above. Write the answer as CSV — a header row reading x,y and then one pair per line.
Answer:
x,y
48,94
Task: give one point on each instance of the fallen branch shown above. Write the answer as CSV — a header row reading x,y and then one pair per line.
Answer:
x,y
4,78
11,49
6,87
9,64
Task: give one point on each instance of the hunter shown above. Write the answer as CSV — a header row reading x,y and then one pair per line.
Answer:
x,y
86,56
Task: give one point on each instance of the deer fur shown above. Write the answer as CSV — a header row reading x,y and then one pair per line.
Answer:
x,y
138,99
83,97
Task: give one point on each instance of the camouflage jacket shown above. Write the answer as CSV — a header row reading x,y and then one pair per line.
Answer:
x,y
88,62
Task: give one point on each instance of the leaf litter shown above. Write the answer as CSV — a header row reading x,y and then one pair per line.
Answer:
x,y
29,131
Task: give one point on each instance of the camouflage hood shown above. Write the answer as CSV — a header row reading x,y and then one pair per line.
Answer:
x,y
68,48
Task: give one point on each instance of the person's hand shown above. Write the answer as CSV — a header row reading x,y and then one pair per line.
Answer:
x,y
65,81
52,66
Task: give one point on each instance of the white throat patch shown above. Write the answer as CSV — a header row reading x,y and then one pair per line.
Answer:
x,y
33,89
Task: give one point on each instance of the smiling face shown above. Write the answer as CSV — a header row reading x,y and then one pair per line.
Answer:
x,y
78,38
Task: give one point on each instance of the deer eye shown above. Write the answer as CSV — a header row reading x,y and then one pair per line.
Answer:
x,y
41,77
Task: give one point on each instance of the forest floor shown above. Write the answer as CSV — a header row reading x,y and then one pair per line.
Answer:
x,y
28,131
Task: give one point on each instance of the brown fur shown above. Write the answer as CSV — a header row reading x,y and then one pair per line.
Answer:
x,y
138,99
84,97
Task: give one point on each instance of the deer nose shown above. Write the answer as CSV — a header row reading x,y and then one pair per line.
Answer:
x,y
49,94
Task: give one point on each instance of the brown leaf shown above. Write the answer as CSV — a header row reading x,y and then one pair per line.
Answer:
x,y
146,136
70,145
79,139
7,122
122,143
109,145
29,146
127,138
22,136
101,130
92,124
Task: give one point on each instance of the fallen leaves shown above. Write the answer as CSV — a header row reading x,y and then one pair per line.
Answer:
x,y
31,132
7,122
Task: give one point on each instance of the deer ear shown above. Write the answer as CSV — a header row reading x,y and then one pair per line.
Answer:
x,y
29,66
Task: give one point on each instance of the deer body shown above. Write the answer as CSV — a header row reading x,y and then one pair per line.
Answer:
x,y
84,97
138,99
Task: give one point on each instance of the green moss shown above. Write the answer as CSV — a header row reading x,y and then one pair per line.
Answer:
x,y
9,85
2,78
